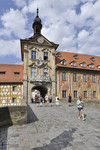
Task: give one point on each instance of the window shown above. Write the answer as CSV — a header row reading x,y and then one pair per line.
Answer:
x,y
2,73
94,94
45,55
83,64
93,78
75,93
13,100
84,77
16,73
91,65
85,93
98,66
59,54
64,94
33,54
63,75
33,71
73,63
45,71
76,56
14,88
63,62
74,77
93,58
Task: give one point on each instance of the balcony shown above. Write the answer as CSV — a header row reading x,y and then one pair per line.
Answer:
x,y
40,79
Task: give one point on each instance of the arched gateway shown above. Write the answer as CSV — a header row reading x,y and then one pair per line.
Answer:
x,y
41,89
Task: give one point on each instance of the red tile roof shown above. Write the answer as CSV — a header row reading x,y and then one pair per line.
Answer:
x,y
70,57
12,73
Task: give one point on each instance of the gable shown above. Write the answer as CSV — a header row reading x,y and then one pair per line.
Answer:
x,y
37,40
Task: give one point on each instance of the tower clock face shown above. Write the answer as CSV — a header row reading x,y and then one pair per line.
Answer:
x,y
40,40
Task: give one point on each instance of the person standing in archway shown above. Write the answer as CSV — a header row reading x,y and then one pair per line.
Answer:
x,y
50,99
46,99
36,99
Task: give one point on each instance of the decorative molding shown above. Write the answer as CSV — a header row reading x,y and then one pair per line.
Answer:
x,y
41,63
40,79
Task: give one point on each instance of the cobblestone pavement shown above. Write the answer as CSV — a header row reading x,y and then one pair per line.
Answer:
x,y
54,128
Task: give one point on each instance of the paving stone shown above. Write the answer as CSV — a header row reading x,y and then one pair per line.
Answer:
x,y
55,128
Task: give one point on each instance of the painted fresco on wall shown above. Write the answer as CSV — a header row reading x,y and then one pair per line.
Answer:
x,y
89,81
79,81
80,86
99,85
75,85
69,83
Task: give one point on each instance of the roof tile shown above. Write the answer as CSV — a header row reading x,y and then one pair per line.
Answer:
x,y
69,57
9,75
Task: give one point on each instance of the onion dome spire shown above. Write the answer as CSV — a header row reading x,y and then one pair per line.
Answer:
x,y
37,26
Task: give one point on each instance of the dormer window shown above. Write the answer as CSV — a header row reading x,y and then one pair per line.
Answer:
x,y
93,58
59,54
16,73
91,65
63,62
76,56
73,63
83,64
98,67
1,73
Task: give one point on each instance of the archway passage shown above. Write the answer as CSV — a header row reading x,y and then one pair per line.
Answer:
x,y
43,90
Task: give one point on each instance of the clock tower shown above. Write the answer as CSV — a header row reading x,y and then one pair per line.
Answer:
x,y
38,56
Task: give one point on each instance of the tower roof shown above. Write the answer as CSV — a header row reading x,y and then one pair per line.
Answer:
x,y
37,19
37,26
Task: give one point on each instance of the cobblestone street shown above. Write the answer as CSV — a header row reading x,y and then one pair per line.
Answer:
x,y
54,128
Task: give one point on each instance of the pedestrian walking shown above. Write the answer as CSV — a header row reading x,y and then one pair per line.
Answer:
x,y
57,100
69,100
46,99
41,100
80,108
50,99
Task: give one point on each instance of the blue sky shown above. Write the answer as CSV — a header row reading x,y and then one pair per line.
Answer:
x,y
74,25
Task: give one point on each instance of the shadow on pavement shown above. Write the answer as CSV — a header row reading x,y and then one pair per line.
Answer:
x,y
61,141
3,138
31,117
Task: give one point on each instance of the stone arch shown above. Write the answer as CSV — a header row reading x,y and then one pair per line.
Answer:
x,y
43,90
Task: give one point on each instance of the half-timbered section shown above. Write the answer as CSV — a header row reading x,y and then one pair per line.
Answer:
x,y
11,84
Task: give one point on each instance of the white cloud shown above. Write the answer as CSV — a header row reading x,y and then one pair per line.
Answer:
x,y
11,47
14,22
75,32
83,35
20,3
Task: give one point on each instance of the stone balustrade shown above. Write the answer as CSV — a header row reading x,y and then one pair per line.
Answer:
x,y
40,79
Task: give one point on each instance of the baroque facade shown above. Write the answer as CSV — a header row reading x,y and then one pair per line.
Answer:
x,y
11,84
57,73
38,55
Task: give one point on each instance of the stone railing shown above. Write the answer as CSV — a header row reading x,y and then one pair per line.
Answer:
x,y
40,79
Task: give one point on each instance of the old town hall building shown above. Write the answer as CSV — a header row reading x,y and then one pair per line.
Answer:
x,y
55,72
58,73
